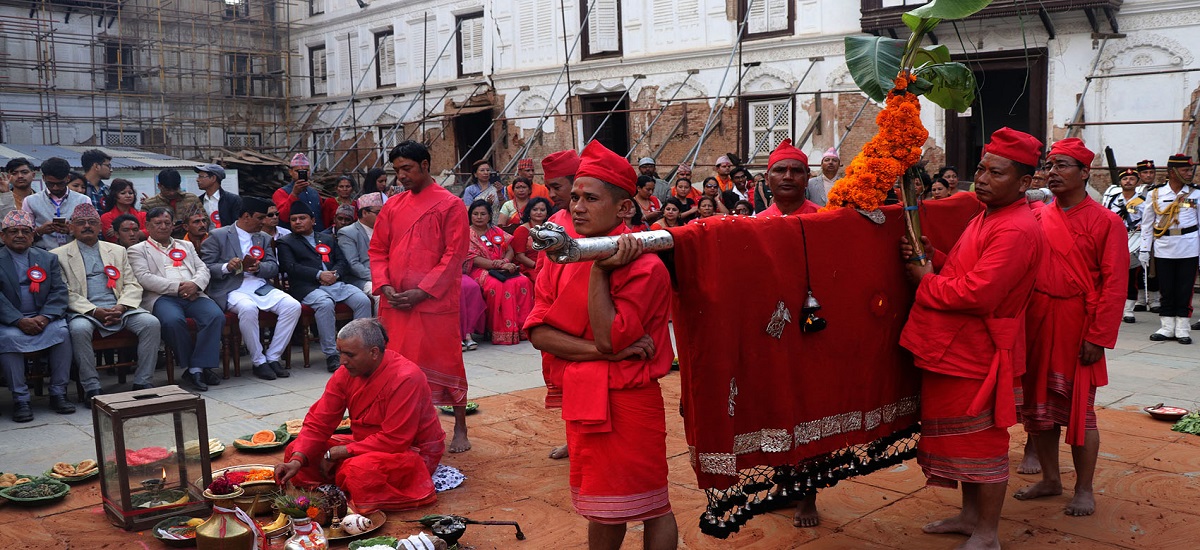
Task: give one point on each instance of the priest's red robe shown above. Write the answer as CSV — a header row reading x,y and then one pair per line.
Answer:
x,y
420,241
552,367
1078,297
396,444
616,422
808,207
966,331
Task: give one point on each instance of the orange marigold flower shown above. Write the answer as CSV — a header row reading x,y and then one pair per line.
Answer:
x,y
312,512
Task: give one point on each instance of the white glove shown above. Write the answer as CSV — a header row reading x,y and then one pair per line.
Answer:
x,y
1144,257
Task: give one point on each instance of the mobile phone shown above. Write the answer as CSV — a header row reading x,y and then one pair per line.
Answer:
x,y
302,174
60,220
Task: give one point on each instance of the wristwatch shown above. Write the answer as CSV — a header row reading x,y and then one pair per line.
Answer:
x,y
329,456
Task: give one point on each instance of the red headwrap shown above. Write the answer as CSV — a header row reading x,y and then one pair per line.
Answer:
x,y
1015,146
1074,148
786,151
600,163
559,164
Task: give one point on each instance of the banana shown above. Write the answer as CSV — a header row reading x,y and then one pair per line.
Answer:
x,y
280,522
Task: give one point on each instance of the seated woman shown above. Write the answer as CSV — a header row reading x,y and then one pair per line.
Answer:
x,y
77,182
707,207
512,210
509,295
683,188
712,188
940,189
122,199
271,225
536,212
472,310
345,191
645,199
743,208
672,212
634,220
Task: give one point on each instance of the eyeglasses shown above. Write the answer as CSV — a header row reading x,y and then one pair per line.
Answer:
x,y
1060,166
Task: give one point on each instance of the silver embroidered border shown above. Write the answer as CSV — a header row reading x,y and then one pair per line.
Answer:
x,y
779,440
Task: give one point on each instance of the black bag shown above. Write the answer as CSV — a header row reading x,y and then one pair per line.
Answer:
x,y
501,275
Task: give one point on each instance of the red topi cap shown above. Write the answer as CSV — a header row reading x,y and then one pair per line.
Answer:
x,y
786,151
1015,146
559,164
600,163
1074,148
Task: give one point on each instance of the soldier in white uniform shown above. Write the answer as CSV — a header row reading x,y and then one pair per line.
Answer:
x,y
1126,202
1148,286
1171,245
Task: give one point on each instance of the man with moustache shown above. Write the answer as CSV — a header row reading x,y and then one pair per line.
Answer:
x,y
1171,245
17,178
818,187
787,176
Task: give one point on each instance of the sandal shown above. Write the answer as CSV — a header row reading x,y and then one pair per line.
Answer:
x,y
472,345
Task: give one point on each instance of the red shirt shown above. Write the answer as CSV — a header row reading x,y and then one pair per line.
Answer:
x,y
420,241
808,207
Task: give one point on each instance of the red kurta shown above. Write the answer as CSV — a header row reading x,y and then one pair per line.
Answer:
x,y
420,241
967,325
614,410
397,440
1079,296
808,207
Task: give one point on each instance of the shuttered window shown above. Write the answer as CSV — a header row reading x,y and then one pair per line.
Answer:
x,y
535,33
603,35
470,45
768,17
769,122
319,75
385,63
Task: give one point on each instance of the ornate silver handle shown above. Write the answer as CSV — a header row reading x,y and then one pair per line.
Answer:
x,y
552,239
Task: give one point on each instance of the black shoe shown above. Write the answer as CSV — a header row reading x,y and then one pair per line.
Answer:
x,y
22,412
1156,337
210,377
264,371
1155,309
1139,307
1129,319
139,387
87,397
195,380
1196,325
278,369
60,404
1185,340
333,362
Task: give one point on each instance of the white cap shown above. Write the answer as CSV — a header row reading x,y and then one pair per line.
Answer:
x,y
645,160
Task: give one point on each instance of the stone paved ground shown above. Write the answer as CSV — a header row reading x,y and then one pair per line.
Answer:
x,y
1146,480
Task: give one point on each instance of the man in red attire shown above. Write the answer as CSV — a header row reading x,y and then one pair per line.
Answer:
x,y
966,331
602,327
397,443
417,252
1074,314
787,177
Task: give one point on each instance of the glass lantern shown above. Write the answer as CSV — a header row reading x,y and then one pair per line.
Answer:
x,y
150,444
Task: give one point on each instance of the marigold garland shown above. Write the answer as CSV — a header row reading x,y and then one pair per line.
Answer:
x,y
895,147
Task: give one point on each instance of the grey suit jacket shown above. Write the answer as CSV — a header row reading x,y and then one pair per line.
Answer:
x,y
354,242
221,246
51,299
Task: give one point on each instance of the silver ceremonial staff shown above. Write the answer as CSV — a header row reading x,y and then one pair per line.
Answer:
x,y
552,239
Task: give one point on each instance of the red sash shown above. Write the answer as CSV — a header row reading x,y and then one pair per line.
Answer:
x,y
1077,272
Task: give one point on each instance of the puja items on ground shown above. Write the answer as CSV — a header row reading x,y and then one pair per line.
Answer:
x,y
450,528
229,527
302,509
64,469
10,479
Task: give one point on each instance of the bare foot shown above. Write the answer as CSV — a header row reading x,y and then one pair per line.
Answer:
x,y
559,452
459,443
1030,463
1083,504
806,512
955,525
980,543
1039,490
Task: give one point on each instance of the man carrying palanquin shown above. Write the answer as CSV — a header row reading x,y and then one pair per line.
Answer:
x,y
787,177
604,326
1075,313
417,252
387,463
966,331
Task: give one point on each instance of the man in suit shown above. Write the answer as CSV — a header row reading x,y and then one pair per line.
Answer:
x,y
240,262
103,297
222,207
355,240
314,266
33,305
173,278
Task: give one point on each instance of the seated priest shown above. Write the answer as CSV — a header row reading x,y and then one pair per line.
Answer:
x,y
388,461
104,299
315,267
173,278
33,308
355,240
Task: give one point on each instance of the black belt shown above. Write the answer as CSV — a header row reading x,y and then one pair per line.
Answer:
x,y
1178,232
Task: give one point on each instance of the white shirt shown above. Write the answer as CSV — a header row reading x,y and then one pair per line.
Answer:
x,y
181,273
211,203
1172,246
250,281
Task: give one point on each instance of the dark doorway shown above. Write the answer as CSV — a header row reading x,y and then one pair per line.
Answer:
x,y
1012,93
613,133
467,129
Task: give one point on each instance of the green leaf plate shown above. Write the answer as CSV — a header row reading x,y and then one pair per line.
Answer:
x,y
13,493
281,439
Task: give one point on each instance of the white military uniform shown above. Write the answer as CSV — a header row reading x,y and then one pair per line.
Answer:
x,y
1171,245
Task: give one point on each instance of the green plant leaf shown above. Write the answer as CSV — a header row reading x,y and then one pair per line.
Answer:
x,y
920,86
874,62
947,9
953,85
931,56
919,24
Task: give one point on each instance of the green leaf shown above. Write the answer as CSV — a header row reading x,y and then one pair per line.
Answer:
x,y
953,85
931,56
874,62
920,87
947,9
919,24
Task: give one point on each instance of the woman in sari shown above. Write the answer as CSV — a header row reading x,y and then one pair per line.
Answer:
x,y
672,212
509,295
511,211
707,207
646,201
344,194
712,189
536,212
122,199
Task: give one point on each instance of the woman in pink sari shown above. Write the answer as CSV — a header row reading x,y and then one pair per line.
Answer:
x,y
508,293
